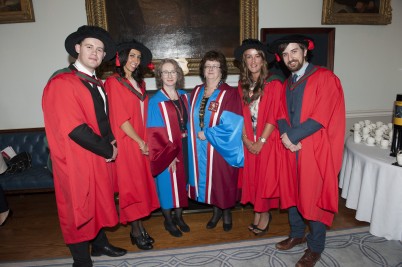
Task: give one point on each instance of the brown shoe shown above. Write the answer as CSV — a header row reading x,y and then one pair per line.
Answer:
x,y
290,242
309,259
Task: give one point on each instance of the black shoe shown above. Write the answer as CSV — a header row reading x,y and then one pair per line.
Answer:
x,y
10,214
182,225
108,250
227,220
258,231
172,229
141,242
227,227
217,215
149,239
212,224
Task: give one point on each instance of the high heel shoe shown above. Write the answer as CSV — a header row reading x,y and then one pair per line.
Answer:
x,y
258,231
9,215
147,236
172,229
251,227
140,242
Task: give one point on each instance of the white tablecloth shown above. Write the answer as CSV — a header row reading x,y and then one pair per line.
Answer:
x,y
373,187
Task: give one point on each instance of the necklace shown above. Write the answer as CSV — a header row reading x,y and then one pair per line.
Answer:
x,y
180,110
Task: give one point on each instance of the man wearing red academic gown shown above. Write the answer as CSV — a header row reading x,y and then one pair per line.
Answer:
x,y
312,128
81,145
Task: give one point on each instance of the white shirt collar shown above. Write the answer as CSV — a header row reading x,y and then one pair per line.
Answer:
x,y
81,68
301,71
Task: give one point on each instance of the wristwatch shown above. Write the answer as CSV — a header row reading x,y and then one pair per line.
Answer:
x,y
262,140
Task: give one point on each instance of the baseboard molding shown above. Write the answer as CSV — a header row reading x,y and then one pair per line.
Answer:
x,y
368,113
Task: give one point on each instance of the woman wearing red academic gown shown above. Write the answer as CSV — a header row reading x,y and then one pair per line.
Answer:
x,y
128,112
260,94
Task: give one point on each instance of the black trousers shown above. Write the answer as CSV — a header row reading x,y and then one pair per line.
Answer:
x,y
80,251
3,200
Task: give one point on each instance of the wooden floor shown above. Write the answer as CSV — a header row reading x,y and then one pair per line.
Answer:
x,y
34,233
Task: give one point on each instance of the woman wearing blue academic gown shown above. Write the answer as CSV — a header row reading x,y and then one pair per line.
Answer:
x,y
215,146
167,141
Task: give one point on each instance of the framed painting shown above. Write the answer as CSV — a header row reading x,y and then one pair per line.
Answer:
x,y
322,54
356,12
16,11
179,28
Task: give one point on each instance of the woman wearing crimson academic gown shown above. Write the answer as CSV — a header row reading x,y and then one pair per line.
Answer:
x,y
128,114
215,147
167,136
260,93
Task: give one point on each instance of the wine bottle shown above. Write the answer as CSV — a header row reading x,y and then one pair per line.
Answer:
x,y
396,143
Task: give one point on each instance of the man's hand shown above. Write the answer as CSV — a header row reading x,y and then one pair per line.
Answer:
x,y
289,145
285,140
295,148
114,152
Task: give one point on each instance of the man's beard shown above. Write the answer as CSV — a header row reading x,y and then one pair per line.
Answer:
x,y
296,67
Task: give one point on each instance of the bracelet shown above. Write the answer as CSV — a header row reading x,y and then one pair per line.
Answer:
x,y
262,140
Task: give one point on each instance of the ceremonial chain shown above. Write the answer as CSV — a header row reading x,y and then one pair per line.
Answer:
x,y
203,104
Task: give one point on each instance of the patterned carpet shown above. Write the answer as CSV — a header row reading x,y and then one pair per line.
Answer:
x,y
352,247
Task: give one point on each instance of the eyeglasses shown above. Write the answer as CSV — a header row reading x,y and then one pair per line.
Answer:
x,y
212,67
166,73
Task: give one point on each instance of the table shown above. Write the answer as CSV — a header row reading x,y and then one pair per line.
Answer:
x,y
373,187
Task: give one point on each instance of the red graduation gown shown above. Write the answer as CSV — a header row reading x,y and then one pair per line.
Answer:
x,y
136,186
259,179
82,179
314,188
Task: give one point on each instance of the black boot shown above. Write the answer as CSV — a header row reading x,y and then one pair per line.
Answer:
x,y
217,214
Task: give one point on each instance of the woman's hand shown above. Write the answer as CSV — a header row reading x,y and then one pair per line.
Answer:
x,y
256,147
248,144
144,148
201,135
172,166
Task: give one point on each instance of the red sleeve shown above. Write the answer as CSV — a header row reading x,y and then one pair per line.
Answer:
x,y
161,151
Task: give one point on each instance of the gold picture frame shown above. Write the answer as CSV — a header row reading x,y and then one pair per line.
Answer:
x,y
334,13
17,11
247,22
